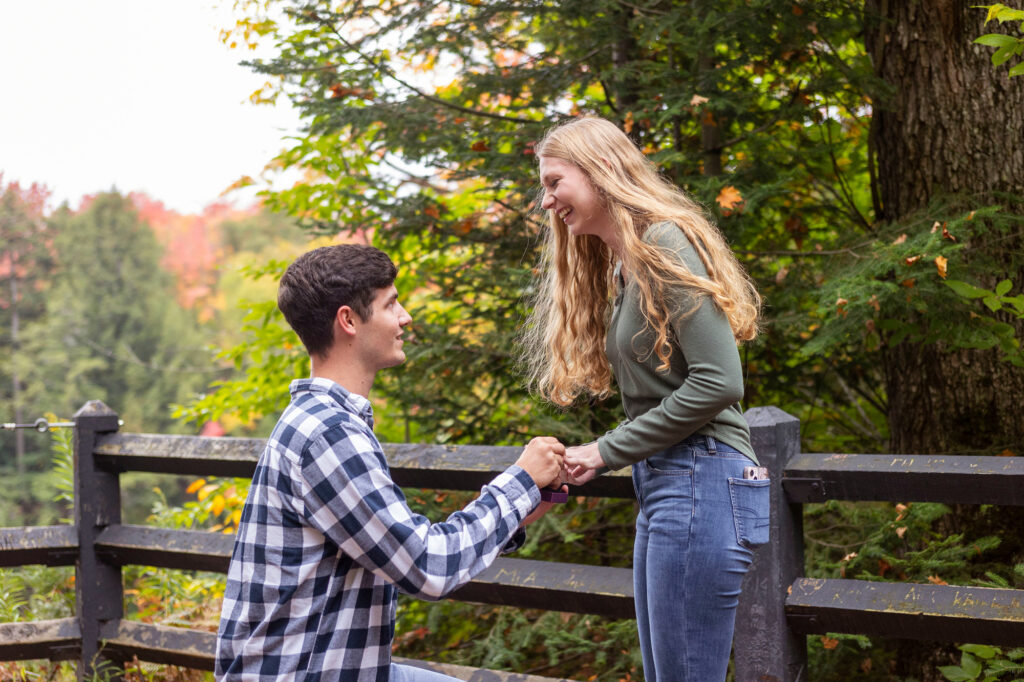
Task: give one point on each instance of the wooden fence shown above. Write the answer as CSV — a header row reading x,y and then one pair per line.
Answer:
x,y
778,608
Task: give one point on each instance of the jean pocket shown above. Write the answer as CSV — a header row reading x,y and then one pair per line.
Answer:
x,y
750,511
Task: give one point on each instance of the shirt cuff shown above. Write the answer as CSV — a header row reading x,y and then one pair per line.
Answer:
x,y
520,489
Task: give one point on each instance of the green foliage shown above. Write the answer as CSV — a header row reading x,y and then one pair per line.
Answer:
x,y
113,330
895,289
986,663
993,331
1006,46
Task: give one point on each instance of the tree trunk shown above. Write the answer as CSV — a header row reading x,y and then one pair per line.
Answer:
x,y
952,124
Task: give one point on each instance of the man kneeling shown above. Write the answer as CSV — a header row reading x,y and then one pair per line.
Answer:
x,y
326,540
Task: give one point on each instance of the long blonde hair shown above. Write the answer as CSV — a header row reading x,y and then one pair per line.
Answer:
x,y
564,338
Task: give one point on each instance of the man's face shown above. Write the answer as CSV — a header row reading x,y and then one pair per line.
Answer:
x,y
380,337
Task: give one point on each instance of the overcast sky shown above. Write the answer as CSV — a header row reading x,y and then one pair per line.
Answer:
x,y
134,94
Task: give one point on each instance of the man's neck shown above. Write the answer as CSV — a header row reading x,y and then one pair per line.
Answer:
x,y
346,374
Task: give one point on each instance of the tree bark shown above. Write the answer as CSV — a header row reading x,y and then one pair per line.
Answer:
x,y
951,124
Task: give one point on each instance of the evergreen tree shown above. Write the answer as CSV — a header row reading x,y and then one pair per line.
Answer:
x,y
25,264
113,330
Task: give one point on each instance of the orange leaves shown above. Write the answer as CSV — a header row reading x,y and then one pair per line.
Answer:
x,y
829,642
936,580
433,211
940,265
730,199
480,146
339,91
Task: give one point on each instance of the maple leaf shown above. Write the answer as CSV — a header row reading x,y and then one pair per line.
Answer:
x,y
697,100
729,198
940,265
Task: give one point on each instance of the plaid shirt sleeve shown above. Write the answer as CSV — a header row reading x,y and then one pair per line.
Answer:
x,y
349,496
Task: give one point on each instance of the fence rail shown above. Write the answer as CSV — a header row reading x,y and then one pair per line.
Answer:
x,y
778,608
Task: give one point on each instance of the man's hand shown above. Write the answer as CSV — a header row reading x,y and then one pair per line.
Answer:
x,y
542,460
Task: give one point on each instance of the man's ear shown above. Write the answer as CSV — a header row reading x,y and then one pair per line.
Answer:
x,y
345,319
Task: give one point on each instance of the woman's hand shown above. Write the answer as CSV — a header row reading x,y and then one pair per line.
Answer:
x,y
582,463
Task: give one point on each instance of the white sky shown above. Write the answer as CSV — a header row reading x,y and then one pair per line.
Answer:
x,y
139,95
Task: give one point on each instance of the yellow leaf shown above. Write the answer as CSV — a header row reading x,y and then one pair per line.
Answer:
x,y
940,265
729,198
217,506
196,485
205,491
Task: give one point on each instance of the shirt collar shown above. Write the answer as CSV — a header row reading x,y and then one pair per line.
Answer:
x,y
348,401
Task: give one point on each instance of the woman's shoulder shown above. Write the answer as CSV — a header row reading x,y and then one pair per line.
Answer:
x,y
666,235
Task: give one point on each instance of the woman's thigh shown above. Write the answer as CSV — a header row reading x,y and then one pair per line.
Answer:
x,y
693,560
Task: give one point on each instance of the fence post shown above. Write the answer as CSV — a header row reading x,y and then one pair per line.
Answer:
x,y
764,647
99,593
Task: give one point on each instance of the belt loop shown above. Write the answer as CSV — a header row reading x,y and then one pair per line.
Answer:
x,y
711,445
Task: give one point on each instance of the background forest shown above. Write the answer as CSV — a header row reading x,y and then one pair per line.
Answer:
x,y
864,159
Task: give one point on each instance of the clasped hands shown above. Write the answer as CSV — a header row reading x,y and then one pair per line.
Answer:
x,y
551,465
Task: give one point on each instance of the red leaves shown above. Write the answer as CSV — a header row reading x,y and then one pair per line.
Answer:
x,y
339,91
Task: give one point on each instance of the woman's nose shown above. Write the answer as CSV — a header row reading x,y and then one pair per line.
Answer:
x,y
548,202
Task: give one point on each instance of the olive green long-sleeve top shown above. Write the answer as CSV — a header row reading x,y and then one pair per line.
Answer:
x,y
701,390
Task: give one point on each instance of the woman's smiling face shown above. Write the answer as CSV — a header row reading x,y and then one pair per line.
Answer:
x,y
569,193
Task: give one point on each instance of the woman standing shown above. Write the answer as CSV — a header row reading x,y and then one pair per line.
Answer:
x,y
637,280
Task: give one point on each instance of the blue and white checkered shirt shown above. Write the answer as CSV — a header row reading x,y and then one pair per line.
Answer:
x,y
327,540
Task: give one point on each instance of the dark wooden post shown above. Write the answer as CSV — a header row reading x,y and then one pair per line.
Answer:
x,y
764,648
99,593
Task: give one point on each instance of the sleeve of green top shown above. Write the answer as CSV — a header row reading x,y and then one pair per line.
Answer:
x,y
714,382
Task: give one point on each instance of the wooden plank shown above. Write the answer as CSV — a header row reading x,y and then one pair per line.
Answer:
x,y
122,545
160,644
443,467
49,545
946,613
553,586
195,649
525,583
57,640
468,674
952,479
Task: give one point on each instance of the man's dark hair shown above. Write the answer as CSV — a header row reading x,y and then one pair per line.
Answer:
x,y
322,280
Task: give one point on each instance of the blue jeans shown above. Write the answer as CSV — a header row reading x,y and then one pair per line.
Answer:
x,y
698,524
409,673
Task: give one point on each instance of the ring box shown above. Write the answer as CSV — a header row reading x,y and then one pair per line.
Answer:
x,y
549,495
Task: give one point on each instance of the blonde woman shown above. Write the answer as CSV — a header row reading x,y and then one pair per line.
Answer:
x,y
636,280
